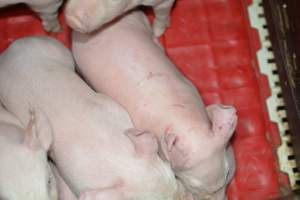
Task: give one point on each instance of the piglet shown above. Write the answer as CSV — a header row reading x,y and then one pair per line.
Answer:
x,y
87,16
63,190
47,10
24,169
126,62
96,149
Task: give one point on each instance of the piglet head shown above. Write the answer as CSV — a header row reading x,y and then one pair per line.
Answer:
x,y
24,166
208,181
87,16
205,164
160,179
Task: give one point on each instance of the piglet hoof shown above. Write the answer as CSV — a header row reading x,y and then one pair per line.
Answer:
x,y
52,26
160,26
159,29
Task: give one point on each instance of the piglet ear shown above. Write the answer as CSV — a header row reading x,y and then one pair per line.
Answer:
x,y
30,137
38,133
145,142
174,151
224,120
111,193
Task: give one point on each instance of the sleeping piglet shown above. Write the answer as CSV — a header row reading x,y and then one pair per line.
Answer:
x,y
63,190
96,149
24,170
87,16
47,10
126,62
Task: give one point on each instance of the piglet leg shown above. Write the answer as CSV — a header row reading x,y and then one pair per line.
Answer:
x,y
49,15
162,17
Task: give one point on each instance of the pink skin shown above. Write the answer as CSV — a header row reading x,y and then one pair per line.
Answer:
x,y
111,194
47,10
24,170
126,62
95,145
87,16
63,190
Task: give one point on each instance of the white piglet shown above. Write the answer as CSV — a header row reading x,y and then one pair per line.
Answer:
x,y
63,190
87,16
24,170
46,9
96,149
126,62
